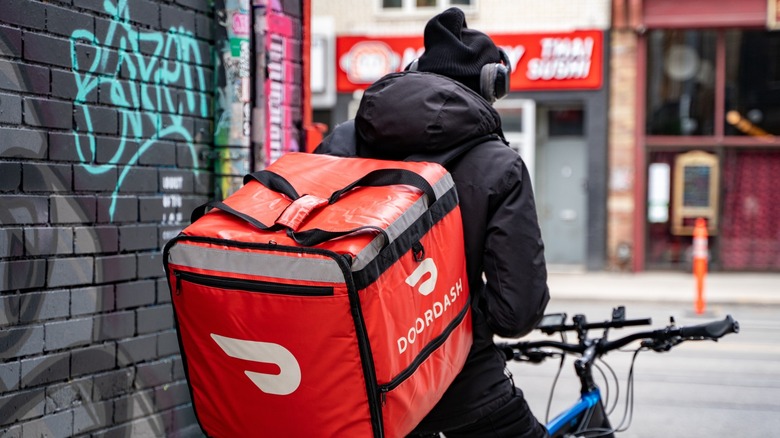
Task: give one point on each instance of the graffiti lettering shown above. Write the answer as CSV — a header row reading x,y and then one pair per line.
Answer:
x,y
275,97
175,61
152,91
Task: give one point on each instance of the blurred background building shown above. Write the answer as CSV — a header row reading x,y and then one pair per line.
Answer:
x,y
117,118
635,117
704,86
556,115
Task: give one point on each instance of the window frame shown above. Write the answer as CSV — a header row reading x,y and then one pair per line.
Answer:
x,y
719,137
409,8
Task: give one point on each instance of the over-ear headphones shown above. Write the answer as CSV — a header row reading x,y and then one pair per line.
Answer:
x,y
493,78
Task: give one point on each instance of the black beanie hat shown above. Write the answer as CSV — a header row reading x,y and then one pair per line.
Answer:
x,y
454,50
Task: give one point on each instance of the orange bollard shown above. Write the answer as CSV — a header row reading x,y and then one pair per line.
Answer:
x,y
700,256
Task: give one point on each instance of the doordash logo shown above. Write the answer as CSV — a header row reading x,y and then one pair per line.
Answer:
x,y
440,306
284,383
426,267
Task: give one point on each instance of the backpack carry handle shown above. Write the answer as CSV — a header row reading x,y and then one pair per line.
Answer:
x,y
316,236
389,177
273,181
375,178
293,220
201,210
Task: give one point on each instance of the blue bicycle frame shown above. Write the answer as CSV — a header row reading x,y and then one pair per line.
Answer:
x,y
585,415
570,416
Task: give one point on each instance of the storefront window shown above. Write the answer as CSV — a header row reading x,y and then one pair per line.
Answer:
x,y
681,82
752,83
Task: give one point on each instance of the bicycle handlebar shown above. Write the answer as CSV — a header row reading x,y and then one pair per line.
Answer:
x,y
659,340
596,325
591,349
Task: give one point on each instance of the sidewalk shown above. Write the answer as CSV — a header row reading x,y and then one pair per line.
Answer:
x,y
719,287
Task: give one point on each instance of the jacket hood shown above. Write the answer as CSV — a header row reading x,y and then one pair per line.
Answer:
x,y
418,112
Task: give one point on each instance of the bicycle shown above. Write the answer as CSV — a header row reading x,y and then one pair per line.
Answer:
x,y
588,417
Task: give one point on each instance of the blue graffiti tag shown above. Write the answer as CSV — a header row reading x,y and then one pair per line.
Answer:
x,y
174,59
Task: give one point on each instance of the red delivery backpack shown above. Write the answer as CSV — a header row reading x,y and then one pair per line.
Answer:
x,y
327,297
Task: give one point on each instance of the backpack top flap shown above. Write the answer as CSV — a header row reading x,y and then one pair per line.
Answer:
x,y
316,200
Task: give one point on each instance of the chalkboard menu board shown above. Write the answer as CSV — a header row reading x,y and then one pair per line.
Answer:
x,y
696,191
696,186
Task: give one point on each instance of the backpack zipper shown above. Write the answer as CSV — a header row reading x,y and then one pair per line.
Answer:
x,y
424,353
249,285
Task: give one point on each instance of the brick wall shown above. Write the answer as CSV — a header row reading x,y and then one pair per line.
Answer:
x,y
622,145
105,129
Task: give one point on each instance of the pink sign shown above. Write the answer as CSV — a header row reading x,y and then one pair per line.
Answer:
x,y
240,24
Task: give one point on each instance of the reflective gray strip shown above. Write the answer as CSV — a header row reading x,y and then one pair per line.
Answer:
x,y
443,185
395,229
279,265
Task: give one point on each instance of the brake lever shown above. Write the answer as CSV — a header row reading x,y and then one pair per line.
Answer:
x,y
661,346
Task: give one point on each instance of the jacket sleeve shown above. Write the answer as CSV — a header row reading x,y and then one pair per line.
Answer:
x,y
516,292
341,142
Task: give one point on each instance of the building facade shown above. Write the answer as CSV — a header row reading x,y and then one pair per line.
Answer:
x,y
674,120
694,124
555,114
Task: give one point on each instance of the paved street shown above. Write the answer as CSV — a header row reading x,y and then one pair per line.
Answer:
x,y
676,287
699,389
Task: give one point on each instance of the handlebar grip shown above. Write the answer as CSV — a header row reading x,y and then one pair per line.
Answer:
x,y
711,330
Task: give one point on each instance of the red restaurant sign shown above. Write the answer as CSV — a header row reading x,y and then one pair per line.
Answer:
x,y
549,61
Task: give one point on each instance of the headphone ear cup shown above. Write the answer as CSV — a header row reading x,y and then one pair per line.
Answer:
x,y
487,82
501,83
494,82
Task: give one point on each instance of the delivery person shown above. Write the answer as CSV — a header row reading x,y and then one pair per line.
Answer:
x,y
440,102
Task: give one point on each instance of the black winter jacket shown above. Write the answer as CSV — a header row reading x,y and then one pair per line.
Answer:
x,y
412,113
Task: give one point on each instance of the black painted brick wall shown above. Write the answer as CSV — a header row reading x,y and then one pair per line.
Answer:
x,y
102,157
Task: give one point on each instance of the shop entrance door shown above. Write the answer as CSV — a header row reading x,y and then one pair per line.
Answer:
x,y
518,120
561,186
